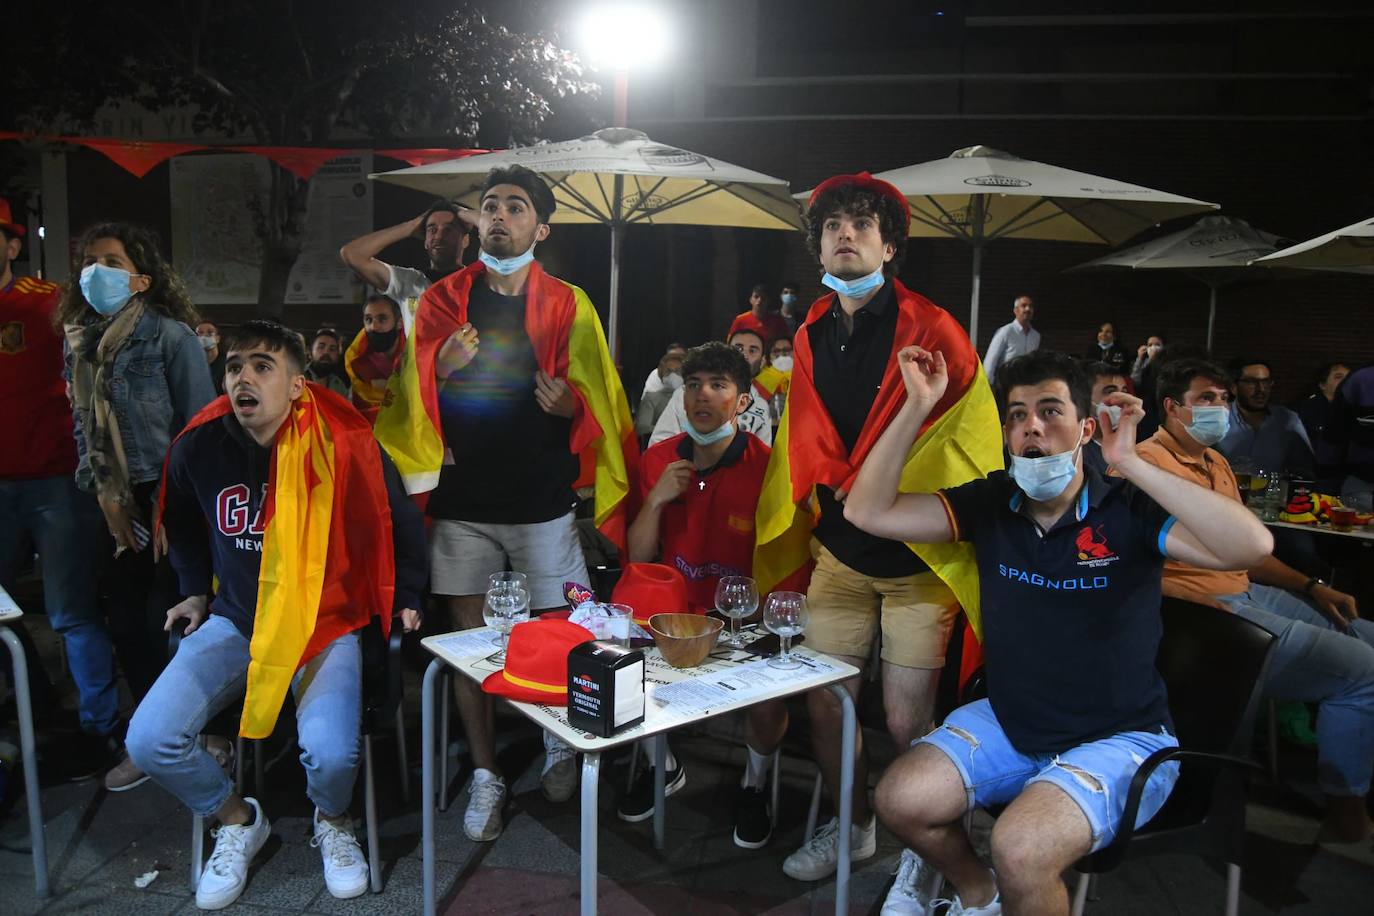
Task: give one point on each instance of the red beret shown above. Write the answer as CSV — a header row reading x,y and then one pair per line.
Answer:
x,y
868,183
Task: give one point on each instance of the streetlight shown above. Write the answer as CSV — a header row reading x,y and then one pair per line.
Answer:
x,y
621,36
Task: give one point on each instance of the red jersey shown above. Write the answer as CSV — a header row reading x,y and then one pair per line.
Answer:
x,y
708,532
38,439
771,326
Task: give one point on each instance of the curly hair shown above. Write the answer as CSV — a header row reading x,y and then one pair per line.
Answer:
x,y
854,200
716,358
166,295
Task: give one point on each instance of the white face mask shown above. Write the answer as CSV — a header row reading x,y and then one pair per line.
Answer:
x,y
1113,413
783,363
674,380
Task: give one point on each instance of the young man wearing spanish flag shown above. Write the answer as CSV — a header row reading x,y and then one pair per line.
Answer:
x,y
845,389
519,403
279,492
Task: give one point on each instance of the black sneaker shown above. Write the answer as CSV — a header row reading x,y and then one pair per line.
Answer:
x,y
88,756
638,803
753,825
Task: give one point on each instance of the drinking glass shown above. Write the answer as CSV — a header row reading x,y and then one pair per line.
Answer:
x,y
786,614
617,621
736,597
518,579
505,606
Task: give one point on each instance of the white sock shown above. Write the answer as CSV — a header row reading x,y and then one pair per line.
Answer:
x,y
757,769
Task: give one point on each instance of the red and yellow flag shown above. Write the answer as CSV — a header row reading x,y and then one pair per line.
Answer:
x,y
568,342
328,564
960,440
368,397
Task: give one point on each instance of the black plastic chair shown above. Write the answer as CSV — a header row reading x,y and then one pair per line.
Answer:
x,y
1214,665
383,693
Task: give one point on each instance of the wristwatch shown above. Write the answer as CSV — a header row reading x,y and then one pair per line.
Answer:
x,y
1311,584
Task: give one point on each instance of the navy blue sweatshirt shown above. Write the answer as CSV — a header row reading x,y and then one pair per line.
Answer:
x,y
216,490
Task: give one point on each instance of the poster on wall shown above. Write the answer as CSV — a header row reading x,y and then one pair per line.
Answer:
x,y
217,252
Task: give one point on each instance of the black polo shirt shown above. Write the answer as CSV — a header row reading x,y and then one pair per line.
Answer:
x,y
848,367
1071,623
511,462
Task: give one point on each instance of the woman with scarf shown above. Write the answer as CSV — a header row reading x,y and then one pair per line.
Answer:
x,y
137,375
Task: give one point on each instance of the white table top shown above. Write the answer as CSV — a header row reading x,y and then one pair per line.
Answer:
x,y
8,609
1359,532
729,679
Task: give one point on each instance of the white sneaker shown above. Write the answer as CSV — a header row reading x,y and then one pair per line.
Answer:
x,y
558,779
486,797
345,863
992,908
916,885
226,872
819,855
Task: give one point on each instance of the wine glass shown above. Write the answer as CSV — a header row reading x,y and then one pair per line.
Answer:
x,y
786,614
509,577
505,606
736,597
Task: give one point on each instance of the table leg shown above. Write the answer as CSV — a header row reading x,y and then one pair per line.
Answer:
x,y
660,812
846,797
427,799
591,778
28,748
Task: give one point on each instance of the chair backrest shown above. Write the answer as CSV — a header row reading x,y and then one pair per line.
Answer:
x,y
1213,664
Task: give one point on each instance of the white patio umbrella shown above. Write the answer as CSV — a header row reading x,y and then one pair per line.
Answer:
x,y
979,194
618,177
1350,249
1215,250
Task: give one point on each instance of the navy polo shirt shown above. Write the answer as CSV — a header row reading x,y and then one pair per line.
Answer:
x,y
1071,623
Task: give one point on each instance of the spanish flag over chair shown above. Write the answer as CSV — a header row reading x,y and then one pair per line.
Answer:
x,y
960,440
568,343
328,563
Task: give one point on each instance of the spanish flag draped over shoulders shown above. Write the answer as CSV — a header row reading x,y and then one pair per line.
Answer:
x,y
568,342
366,396
960,440
328,562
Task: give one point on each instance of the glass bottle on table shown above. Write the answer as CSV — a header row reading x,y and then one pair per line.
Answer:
x,y
736,597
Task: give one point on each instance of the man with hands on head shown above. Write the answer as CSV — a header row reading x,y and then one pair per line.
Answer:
x,y
279,492
1070,565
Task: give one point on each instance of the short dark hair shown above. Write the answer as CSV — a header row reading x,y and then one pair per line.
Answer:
x,y
441,206
1097,370
1236,365
383,297
1040,366
327,332
859,201
789,284
783,336
530,182
270,335
716,358
1177,375
1325,369
762,343
759,288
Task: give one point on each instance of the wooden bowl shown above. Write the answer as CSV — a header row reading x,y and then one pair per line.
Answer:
x,y
685,639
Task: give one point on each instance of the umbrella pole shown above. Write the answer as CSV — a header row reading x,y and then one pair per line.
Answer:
x,y
617,236
1211,317
973,305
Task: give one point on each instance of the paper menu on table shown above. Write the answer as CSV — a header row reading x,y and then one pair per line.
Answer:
x,y
740,683
469,643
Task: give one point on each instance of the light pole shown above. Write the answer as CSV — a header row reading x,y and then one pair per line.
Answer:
x,y
617,37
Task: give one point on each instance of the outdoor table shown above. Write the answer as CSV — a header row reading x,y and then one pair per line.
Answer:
x,y
728,681
9,613
1359,532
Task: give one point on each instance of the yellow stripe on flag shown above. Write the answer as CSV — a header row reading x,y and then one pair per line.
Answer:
x,y
403,427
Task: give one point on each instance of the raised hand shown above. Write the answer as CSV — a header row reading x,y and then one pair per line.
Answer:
x,y
672,483
1119,444
924,374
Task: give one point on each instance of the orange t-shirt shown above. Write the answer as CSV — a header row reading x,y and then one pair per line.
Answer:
x,y
1213,472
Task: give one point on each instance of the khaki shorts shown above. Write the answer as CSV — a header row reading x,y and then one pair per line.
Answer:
x,y
917,613
463,554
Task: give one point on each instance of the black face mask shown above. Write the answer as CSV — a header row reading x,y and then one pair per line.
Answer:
x,y
381,341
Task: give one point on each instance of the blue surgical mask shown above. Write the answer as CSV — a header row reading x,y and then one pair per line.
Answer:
x,y
723,431
1044,478
788,299
105,288
1210,424
854,288
507,266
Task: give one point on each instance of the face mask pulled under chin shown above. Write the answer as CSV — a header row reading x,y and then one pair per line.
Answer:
x,y
507,266
721,432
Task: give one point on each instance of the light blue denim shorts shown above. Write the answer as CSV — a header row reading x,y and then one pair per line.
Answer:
x,y
1095,775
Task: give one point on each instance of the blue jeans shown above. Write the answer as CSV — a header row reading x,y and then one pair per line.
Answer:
x,y
1314,662
65,527
1095,775
207,674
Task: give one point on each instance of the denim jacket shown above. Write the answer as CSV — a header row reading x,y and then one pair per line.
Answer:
x,y
161,379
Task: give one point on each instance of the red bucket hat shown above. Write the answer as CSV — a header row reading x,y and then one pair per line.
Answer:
x,y
649,589
868,183
7,222
537,662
